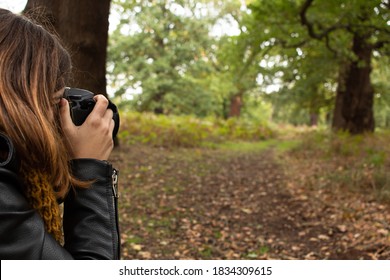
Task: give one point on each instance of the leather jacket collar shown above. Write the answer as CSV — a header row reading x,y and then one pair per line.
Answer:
x,y
10,162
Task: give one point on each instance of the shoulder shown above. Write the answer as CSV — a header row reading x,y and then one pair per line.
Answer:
x,y
21,229
7,175
11,191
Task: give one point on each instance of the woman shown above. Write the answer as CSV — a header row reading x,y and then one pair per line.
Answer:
x,y
45,158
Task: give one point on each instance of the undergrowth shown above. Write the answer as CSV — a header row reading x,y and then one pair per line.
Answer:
x,y
339,160
187,131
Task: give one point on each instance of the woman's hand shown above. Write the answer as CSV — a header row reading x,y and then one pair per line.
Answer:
x,y
93,139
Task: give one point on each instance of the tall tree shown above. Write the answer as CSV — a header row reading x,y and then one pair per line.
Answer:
x,y
162,49
306,84
235,59
365,23
351,30
237,66
83,27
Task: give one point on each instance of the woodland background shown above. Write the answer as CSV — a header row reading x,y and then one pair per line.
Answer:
x,y
250,129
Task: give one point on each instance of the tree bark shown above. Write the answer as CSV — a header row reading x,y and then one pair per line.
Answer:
x,y
338,120
235,105
354,102
83,28
314,119
355,95
158,99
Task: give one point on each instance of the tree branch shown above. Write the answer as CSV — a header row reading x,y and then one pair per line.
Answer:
x,y
310,27
304,20
380,44
286,45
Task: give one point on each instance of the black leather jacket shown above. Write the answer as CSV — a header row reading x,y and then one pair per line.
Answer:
x,y
90,215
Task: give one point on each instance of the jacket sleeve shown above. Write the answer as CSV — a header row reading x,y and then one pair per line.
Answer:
x,y
90,219
90,215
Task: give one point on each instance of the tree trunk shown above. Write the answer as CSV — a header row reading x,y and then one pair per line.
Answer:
x,y
235,105
83,28
354,102
338,121
314,107
314,119
157,101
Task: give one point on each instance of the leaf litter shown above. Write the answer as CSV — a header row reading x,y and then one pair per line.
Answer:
x,y
220,204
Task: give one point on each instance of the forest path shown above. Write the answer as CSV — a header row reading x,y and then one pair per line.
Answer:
x,y
229,204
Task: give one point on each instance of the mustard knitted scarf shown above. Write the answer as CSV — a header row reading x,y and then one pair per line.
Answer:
x,y
41,197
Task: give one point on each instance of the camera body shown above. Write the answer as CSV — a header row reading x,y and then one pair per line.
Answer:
x,y
81,104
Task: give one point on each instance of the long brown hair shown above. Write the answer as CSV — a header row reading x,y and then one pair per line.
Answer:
x,y
33,66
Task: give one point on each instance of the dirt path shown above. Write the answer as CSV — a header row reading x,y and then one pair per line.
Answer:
x,y
220,204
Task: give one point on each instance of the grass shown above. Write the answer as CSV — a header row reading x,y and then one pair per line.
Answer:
x,y
356,163
278,145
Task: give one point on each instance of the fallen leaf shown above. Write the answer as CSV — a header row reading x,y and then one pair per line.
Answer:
x,y
342,228
137,247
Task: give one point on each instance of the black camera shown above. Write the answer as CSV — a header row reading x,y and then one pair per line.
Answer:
x,y
81,104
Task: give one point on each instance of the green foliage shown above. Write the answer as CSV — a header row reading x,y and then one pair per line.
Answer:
x,y
237,66
188,131
162,57
279,146
304,69
380,77
308,68
162,50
